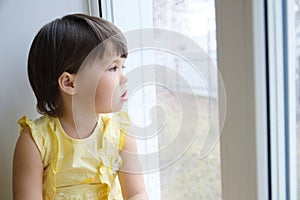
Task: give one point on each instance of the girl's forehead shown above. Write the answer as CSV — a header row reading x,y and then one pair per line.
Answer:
x,y
119,59
106,57
108,61
111,53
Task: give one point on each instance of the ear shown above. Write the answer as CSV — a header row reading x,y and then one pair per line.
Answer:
x,y
66,83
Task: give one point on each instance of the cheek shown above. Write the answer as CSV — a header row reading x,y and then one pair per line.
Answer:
x,y
105,89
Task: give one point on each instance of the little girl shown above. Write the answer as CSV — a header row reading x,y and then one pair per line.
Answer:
x,y
77,148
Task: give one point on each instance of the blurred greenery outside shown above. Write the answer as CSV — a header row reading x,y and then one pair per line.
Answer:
x,y
190,176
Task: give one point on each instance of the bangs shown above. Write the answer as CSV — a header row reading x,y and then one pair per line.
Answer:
x,y
119,45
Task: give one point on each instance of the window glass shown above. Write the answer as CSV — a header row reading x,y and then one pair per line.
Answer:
x,y
192,175
173,94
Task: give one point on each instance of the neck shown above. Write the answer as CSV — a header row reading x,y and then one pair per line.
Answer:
x,y
77,121
78,127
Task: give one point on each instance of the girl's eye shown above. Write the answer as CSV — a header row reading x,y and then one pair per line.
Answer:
x,y
113,69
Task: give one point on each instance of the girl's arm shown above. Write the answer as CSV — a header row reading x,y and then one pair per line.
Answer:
x,y
132,184
27,169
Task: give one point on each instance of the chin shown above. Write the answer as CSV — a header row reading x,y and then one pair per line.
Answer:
x,y
111,110
117,108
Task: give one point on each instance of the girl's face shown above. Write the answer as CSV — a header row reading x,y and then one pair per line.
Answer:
x,y
111,89
100,87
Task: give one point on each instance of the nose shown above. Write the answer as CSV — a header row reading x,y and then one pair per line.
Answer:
x,y
123,78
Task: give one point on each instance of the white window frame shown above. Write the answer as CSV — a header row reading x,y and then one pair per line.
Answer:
x,y
242,63
254,124
282,68
89,7
291,102
276,100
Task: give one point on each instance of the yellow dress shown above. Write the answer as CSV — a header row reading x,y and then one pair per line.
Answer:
x,y
80,169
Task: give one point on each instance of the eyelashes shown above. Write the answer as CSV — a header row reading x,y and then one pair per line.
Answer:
x,y
115,68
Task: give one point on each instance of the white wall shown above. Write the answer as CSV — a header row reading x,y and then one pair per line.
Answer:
x,y
20,21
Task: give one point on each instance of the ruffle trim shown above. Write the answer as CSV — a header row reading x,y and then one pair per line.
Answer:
x,y
81,192
82,196
112,144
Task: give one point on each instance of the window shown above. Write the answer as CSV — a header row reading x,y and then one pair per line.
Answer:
x,y
259,63
170,92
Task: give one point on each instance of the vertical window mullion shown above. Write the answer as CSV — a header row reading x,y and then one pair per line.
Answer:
x,y
290,97
106,9
282,114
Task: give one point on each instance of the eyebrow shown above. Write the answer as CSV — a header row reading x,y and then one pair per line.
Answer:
x,y
119,59
122,60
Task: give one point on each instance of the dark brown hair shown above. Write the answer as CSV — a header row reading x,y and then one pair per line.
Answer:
x,y
61,46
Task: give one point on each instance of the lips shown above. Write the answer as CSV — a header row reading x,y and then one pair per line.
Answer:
x,y
124,94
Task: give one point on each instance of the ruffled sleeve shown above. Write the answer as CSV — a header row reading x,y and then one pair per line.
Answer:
x,y
115,130
124,123
38,139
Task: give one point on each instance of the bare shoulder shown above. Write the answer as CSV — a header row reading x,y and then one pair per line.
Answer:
x,y
25,143
25,136
130,144
26,151
27,168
